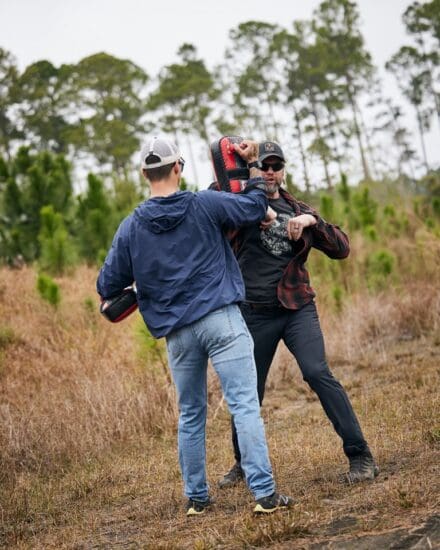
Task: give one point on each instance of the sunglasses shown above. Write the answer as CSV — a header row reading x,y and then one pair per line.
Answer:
x,y
181,163
276,166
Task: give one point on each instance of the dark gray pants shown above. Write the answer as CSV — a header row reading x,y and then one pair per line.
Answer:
x,y
301,332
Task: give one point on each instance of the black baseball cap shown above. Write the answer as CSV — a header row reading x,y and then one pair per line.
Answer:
x,y
269,149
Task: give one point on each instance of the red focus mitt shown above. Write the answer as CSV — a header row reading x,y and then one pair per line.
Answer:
x,y
230,169
119,307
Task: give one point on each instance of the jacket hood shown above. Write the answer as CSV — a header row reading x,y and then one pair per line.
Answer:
x,y
162,214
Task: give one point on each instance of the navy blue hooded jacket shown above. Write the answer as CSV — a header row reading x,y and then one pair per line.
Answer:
x,y
175,249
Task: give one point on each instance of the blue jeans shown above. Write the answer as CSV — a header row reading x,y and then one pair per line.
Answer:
x,y
223,337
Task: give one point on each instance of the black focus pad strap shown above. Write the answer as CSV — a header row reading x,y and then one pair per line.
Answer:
x,y
238,173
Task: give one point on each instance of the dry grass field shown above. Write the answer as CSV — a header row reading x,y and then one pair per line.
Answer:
x,y
88,430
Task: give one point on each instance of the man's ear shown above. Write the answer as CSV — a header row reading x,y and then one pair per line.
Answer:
x,y
176,167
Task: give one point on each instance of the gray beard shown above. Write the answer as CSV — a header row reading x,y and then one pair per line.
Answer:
x,y
271,189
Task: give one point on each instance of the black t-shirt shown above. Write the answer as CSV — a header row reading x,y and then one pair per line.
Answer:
x,y
264,255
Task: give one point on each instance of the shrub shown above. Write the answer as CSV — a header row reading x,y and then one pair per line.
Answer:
x,y
327,207
95,220
57,252
337,297
380,265
151,351
344,189
48,289
371,233
436,206
365,208
389,211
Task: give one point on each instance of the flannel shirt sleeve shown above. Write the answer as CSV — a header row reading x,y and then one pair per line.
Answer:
x,y
330,239
327,237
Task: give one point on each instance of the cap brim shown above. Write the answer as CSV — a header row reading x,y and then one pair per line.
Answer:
x,y
267,155
164,162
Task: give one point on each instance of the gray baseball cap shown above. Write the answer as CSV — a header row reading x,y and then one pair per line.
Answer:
x,y
157,152
269,149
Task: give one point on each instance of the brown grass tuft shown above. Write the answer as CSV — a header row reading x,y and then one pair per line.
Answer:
x,y
71,384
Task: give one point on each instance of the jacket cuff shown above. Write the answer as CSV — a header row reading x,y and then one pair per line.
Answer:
x,y
255,183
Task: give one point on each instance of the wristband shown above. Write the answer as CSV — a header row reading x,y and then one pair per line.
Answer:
x,y
254,164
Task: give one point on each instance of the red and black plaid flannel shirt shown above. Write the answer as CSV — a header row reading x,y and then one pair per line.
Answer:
x,y
294,290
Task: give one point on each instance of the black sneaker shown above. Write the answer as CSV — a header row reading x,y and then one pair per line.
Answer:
x,y
267,505
362,468
233,477
197,507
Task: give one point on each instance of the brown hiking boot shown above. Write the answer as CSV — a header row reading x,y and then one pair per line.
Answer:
x,y
232,478
362,468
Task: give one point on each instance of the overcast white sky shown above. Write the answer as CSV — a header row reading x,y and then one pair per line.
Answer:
x,y
149,32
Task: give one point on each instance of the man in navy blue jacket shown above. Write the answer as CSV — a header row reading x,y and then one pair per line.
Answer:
x,y
188,286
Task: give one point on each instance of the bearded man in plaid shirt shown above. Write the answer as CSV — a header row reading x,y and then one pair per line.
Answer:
x,y
280,305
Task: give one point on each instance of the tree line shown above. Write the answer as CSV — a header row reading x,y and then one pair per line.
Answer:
x,y
311,86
